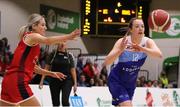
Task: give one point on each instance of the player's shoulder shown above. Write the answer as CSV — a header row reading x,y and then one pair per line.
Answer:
x,y
32,36
147,39
28,38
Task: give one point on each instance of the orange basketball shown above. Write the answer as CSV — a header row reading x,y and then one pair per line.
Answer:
x,y
159,20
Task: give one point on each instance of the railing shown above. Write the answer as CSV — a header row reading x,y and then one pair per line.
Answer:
x,y
76,51
144,73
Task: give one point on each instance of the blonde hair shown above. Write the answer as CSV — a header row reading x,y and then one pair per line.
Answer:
x,y
33,19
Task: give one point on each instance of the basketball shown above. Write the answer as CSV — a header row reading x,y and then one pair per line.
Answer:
x,y
159,20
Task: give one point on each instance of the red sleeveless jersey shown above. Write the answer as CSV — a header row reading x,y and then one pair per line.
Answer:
x,y
24,59
15,88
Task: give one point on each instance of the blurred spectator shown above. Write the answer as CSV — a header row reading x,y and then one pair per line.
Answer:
x,y
5,55
163,79
96,79
155,83
96,68
160,85
104,79
7,50
104,71
2,68
79,66
138,83
100,82
82,81
91,82
142,81
148,83
88,70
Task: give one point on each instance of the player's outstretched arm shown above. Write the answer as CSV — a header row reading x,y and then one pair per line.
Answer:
x,y
36,38
39,70
118,48
151,49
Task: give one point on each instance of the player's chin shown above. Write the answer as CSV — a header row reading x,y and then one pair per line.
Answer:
x,y
140,34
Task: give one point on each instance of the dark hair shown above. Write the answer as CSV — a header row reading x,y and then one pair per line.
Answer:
x,y
130,25
131,22
5,41
1,43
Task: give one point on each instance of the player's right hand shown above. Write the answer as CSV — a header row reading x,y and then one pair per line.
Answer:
x,y
123,44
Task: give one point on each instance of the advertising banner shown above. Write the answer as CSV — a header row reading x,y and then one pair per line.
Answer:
x,y
60,20
101,97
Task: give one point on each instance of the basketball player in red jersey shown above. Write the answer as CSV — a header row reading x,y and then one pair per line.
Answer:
x,y
15,89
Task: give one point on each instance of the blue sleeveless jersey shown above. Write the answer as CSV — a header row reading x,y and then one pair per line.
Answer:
x,y
126,70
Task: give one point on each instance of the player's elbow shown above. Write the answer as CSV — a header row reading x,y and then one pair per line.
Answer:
x,y
160,55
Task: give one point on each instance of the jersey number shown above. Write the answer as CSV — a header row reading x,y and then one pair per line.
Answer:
x,y
135,57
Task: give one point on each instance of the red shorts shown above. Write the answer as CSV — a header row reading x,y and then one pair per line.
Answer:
x,y
15,88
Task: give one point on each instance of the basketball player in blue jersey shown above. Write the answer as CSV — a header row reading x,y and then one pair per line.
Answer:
x,y
131,51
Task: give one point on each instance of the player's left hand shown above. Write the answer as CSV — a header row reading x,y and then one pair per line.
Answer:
x,y
59,75
136,47
76,33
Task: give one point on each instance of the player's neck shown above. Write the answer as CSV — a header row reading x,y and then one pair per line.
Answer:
x,y
136,40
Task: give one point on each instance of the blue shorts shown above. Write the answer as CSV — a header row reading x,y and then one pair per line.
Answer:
x,y
120,93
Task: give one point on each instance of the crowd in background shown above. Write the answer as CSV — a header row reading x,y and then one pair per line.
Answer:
x,y
162,82
5,55
90,73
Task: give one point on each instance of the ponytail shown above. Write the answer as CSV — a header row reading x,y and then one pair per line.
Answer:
x,y
33,19
22,30
128,32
